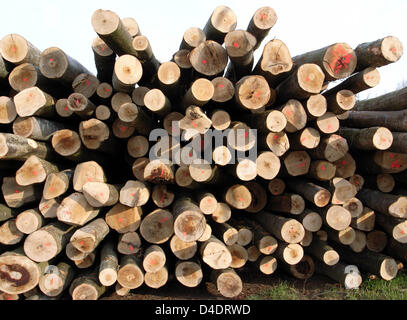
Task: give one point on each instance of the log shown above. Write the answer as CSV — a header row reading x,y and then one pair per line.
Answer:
x,y
134,194
225,232
303,270
81,105
124,219
288,230
192,38
341,102
384,182
13,147
29,221
345,167
171,122
336,217
323,252
56,64
86,262
273,120
376,241
104,59
396,249
183,178
48,208
119,99
275,62
127,72
16,49
154,259
262,21
189,273
162,196
347,275
374,138
331,148
224,90
238,197
34,102
366,221
34,170
183,250
376,263
259,197
87,238
104,92
254,255
113,32
227,282
207,202
308,138
322,170
75,210
8,111
131,26
19,274
241,137
359,244
345,237
254,93
215,254
86,288
96,135
310,191
57,184
337,61
7,213
131,274
295,114
56,279
168,76
199,94
395,227
157,102
239,256
181,58
129,243
138,168
209,59
297,163
149,62
74,254
207,234
378,53
388,204
358,181
46,243
85,84
315,106
222,214
189,221
392,101
36,128
9,233
85,172
290,254
290,203
157,279
392,120
302,83
222,21
354,206
62,110
267,264
221,156
328,123
135,117
17,196
157,227
276,187
310,220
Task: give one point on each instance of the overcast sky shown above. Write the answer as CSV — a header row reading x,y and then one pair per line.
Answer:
x,y
302,25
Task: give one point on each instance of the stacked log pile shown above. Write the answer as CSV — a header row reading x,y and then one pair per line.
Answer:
x,y
95,198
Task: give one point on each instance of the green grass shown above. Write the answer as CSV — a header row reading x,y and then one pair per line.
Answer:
x,y
377,289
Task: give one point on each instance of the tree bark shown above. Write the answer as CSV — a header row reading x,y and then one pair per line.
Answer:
x,y
104,60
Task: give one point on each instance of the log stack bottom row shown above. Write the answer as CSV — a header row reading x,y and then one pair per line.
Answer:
x,y
86,210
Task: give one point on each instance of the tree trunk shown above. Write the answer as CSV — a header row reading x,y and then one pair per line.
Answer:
x,y
267,264
288,230
131,274
375,138
189,273
56,279
157,227
17,196
124,219
7,110
254,93
154,259
34,170
310,191
207,202
323,252
392,120
277,187
87,172
224,91
392,101
29,221
183,250
81,105
222,21
336,217
291,254
56,64
104,60
87,238
19,274
129,243
376,241
337,61
347,275
57,184
238,197
17,50
322,170
354,206
239,256
372,262
157,279
215,254
36,128
86,288
228,282
200,93
10,234
289,203
331,148
310,220
222,214
303,270
275,62
13,147
127,72
162,196
378,53
359,244
297,163
345,237
262,21
209,59
46,243
75,210
225,232
34,102
192,38
328,123
169,75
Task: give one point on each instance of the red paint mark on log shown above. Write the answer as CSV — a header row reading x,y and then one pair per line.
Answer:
x,y
13,48
323,168
302,165
66,108
47,244
204,61
25,79
120,220
392,156
82,243
276,137
396,164
344,162
221,86
51,60
123,128
236,45
131,248
194,124
263,16
17,191
35,173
